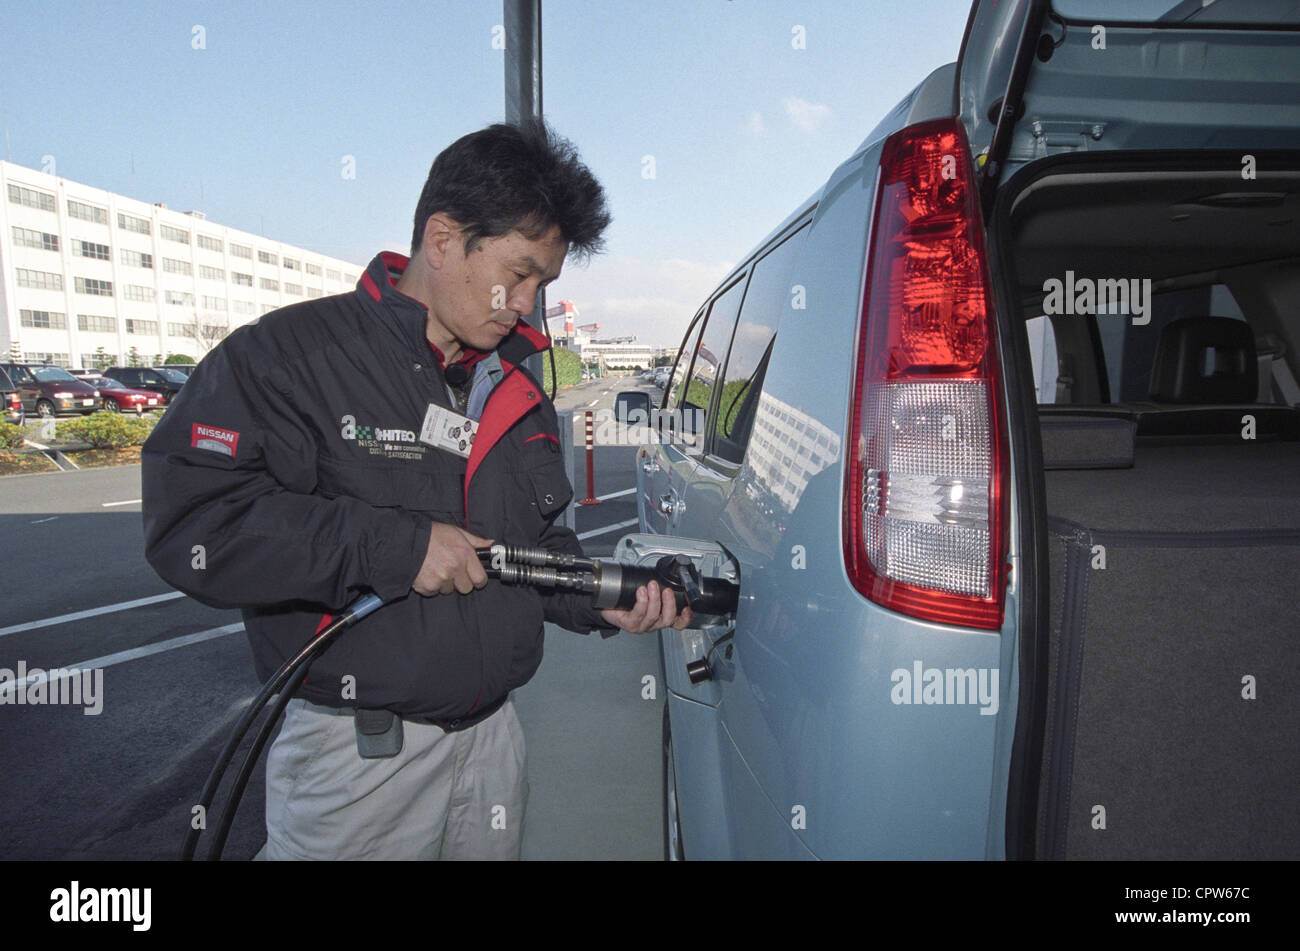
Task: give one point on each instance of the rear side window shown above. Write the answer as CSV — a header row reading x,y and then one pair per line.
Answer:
x,y
1130,348
772,292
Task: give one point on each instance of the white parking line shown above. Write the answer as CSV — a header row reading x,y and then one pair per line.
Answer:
x,y
121,657
614,495
91,612
39,520
127,502
608,528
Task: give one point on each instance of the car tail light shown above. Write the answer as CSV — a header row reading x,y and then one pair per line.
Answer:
x,y
924,507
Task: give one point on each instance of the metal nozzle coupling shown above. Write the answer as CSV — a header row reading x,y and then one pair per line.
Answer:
x,y
544,577
501,555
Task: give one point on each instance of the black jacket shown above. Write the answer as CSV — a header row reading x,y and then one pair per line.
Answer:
x,y
287,479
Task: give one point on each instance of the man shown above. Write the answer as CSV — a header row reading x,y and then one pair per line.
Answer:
x,y
322,453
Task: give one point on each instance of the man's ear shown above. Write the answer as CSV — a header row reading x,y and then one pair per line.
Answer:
x,y
440,231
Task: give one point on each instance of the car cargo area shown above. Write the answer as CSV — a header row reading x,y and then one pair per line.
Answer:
x,y
1171,454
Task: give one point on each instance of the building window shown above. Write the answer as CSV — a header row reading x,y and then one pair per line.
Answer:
x,y
267,308
136,258
244,280
242,307
211,273
350,278
89,249
79,209
31,198
44,319
269,285
208,244
132,223
180,298
144,327
292,265
98,361
54,359
312,268
97,323
41,280
137,292
178,235
214,303
173,266
266,257
314,292
88,285
295,289
27,238
240,251
333,275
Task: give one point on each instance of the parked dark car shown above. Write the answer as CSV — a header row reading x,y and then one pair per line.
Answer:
x,y
11,404
166,385
121,398
52,391
185,368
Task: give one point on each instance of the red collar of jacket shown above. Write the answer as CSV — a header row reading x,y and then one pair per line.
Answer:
x,y
379,285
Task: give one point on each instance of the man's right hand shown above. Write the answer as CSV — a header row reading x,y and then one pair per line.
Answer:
x,y
451,563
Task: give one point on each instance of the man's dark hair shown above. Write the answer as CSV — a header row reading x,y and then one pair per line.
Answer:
x,y
506,178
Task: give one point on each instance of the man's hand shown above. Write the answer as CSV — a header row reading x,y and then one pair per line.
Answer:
x,y
655,608
451,563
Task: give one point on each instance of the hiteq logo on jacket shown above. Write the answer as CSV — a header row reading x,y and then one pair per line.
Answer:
x,y
391,442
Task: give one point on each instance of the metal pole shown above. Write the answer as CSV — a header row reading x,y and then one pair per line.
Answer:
x,y
523,64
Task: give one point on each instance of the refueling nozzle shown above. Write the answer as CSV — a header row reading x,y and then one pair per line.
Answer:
x,y
610,584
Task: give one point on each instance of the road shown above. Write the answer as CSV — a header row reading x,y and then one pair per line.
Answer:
x,y
120,783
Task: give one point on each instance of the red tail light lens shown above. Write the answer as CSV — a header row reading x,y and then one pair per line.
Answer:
x,y
924,516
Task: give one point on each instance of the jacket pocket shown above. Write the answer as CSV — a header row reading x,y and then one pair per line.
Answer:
x,y
439,493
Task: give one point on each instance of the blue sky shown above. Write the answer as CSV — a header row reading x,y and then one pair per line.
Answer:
x,y
254,128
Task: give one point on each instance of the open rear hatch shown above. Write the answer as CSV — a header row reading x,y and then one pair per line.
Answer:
x,y
1042,77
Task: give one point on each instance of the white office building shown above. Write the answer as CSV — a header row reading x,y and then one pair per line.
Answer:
x,y
86,275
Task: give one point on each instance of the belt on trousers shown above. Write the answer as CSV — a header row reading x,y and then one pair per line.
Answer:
x,y
450,726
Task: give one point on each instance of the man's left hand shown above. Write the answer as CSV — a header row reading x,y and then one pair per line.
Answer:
x,y
655,607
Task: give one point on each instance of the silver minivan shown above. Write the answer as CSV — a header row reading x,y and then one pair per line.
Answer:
x,y
1001,443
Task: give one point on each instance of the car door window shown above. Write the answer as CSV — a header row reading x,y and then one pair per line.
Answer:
x,y
695,391
772,291
676,381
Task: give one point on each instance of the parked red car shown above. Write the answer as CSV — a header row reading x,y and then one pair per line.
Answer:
x,y
121,398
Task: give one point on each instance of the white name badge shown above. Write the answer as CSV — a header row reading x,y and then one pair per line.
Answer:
x,y
446,429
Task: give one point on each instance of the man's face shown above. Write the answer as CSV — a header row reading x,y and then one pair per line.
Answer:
x,y
479,296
